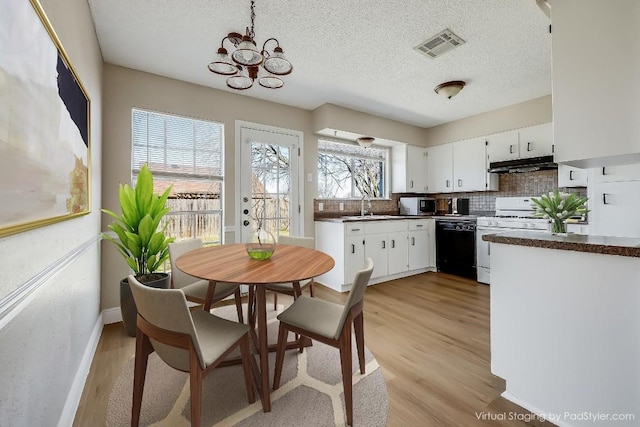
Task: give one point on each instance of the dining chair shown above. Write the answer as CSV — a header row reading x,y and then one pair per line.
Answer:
x,y
330,324
197,290
294,289
194,342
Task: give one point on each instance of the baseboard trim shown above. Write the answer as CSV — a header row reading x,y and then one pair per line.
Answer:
x,y
75,393
111,315
534,410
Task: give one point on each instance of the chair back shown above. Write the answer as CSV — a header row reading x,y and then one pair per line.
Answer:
x,y
305,242
357,290
167,309
178,278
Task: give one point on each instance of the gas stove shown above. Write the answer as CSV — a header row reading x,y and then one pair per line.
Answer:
x,y
514,213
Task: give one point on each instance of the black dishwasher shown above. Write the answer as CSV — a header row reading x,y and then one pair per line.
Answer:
x,y
456,246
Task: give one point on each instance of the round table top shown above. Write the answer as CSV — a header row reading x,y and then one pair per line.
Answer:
x,y
231,263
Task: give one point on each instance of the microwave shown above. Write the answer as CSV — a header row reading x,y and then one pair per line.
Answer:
x,y
417,206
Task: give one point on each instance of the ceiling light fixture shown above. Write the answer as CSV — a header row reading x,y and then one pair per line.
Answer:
x,y
449,89
243,66
365,141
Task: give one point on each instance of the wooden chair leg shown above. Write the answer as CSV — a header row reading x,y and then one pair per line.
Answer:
x,y
143,349
358,325
282,341
246,365
275,301
345,362
195,382
238,299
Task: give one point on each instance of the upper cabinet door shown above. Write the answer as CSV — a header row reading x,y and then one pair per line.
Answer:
x,y
440,169
536,141
502,146
469,165
596,86
409,169
568,176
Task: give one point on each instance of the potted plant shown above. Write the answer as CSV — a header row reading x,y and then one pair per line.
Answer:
x,y
143,246
558,207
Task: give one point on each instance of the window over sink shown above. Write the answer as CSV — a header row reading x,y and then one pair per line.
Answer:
x,y
348,171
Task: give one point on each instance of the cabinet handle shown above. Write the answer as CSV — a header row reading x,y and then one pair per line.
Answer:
x,y
511,149
419,225
604,198
529,146
459,183
393,243
603,171
448,183
384,244
411,184
355,229
570,175
488,248
413,241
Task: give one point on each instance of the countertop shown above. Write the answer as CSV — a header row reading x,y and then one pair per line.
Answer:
x,y
606,245
384,217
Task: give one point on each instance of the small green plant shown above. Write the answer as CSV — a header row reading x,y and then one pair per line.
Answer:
x,y
143,246
558,207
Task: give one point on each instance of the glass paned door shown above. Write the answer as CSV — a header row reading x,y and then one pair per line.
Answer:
x,y
269,182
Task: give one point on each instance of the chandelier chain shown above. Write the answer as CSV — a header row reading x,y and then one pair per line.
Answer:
x,y
253,18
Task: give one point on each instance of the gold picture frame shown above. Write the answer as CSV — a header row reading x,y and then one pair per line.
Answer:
x,y
45,163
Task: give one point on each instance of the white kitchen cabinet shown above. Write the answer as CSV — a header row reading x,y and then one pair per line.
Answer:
x,y
419,245
569,176
440,169
614,208
409,169
578,228
385,241
615,173
531,141
535,141
398,261
596,86
470,166
503,146
459,166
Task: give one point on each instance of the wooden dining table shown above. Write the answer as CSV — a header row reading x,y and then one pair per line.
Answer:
x,y
231,264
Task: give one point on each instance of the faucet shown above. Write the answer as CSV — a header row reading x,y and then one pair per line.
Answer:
x,y
367,210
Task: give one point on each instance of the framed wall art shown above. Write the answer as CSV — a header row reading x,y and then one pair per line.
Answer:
x,y
44,124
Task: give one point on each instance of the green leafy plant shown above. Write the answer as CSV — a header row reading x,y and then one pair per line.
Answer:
x,y
558,206
143,246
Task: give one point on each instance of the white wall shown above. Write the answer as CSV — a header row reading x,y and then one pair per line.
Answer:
x,y
44,337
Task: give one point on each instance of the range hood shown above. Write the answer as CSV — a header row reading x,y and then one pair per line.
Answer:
x,y
531,164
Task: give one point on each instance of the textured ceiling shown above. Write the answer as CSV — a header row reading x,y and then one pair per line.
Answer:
x,y
353,53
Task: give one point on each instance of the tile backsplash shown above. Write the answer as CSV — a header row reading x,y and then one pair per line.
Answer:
x,y
510,185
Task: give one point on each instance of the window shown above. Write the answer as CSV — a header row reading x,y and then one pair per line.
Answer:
x,y
188,154
350,171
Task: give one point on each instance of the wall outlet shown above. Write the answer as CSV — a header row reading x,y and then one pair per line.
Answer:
x,y
320,206
341,206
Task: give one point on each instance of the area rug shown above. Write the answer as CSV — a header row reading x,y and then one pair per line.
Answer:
x,y
310,393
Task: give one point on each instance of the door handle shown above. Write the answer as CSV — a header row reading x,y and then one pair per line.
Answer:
x,y
570,175
511,149
384,244
413,241
604,198
529,146
353,248
459,183
603,171
393,243
411,184
448,183
246,223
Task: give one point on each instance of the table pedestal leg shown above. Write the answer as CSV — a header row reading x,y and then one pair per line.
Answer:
x,y
261,312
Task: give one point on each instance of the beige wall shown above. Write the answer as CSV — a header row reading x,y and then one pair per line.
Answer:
x,y
343,119
46,337
515,116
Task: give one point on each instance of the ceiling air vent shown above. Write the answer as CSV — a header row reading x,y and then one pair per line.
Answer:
x,y
439,44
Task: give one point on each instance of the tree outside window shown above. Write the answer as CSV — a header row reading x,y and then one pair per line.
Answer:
x,y
350,171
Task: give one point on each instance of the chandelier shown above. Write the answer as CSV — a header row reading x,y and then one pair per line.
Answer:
x,y
245,64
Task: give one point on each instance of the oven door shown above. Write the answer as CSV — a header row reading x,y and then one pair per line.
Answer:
x,y
483,252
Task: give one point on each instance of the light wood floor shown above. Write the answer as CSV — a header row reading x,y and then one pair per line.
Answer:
x,y
430,335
